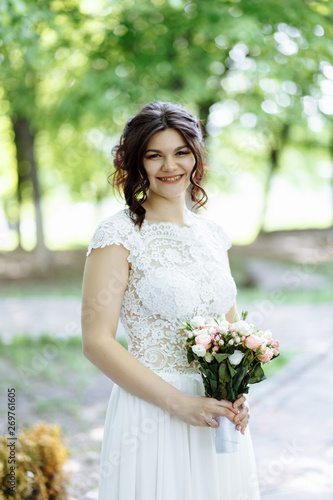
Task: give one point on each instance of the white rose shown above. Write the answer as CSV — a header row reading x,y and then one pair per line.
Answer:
x,y
205,330
268,334
197,321
224,324
209,357
244,326
236,357
199,350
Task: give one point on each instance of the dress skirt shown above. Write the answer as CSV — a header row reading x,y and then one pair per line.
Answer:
x,y
149,454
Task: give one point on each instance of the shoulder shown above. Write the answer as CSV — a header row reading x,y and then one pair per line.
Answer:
x,y
215,230
117,229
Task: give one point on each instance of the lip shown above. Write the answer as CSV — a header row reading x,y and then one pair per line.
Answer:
x,y
171,177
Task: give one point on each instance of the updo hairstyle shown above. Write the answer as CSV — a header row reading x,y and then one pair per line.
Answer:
x,y
130,177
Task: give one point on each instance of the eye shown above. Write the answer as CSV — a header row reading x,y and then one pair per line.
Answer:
x,y
181,153
155,155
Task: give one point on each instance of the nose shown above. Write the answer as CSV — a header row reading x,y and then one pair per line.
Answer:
x,y
169,164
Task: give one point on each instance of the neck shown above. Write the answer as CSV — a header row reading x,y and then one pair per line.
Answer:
x,y
160,209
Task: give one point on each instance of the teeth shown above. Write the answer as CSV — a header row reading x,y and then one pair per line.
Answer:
x,y
171,178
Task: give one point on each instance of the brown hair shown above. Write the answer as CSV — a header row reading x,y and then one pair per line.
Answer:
x,y
130,177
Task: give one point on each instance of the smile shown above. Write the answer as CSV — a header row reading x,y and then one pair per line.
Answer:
x,y
171,179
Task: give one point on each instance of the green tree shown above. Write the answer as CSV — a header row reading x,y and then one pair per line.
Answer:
x,y
72,72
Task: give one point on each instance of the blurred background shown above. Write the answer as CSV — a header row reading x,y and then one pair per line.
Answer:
x,y
260,77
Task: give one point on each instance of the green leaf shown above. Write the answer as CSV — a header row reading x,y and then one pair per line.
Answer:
x,y
210,374
213,384
257,375
231,369
240,380
224,373
190,357
221,357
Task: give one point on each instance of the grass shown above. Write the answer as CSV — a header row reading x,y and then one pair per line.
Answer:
x,y
286,296
61,287
29,360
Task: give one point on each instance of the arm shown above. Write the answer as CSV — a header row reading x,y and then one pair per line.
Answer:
x,y
231,313
104,282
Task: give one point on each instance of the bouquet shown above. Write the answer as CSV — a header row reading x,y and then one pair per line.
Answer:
x,y
230,357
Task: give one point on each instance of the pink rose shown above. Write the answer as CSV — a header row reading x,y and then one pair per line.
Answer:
x,y
263,349
252,342
264,358
203,339
276,344
233,328
221,329
276,352
216,348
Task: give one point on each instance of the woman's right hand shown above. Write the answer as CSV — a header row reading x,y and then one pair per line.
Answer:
x,y
200,410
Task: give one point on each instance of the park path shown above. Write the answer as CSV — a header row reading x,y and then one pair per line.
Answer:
x,y
291,413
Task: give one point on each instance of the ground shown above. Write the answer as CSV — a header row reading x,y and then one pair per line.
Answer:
x,y
291,424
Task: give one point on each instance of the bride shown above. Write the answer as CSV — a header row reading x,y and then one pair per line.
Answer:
x,y
154,264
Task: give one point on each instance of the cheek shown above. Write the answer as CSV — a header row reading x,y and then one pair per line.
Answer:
x,y
150,169
190,165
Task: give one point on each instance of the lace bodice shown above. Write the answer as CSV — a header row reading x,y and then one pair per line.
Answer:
x,y
176,273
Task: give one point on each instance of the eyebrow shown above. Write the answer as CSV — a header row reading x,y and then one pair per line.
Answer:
x,y
159,151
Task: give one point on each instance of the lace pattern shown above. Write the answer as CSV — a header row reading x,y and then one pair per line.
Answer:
x,y
176,273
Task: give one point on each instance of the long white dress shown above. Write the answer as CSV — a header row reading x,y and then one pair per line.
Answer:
x,y
147,453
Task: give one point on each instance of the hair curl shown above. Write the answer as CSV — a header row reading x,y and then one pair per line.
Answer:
x,y
130,177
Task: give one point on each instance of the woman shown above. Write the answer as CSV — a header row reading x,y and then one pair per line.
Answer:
x,y
155,264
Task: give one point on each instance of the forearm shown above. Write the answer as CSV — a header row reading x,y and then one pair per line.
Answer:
x,y
130,374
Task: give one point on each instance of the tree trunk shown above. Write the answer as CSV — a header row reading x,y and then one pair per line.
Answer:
x,y
274,164
21,177
331,151
27,170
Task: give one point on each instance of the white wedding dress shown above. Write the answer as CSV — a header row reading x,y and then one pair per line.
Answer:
x,y
148,454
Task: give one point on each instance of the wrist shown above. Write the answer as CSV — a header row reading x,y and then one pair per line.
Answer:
x,y
174,404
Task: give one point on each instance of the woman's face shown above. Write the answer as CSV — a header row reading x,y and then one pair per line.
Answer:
x,y
168,162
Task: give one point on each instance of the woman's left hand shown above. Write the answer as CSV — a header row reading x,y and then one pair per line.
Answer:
x,y
242,419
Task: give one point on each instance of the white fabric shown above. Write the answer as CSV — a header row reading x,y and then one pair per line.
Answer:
x,y
147,454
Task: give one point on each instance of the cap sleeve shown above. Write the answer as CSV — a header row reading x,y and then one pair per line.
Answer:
x,y
115,230
227,243
220,234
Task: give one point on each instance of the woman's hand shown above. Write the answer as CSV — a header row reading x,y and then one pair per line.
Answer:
x,y
200,411
243,416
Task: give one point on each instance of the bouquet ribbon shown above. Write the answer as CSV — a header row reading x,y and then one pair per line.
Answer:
x,y
226,436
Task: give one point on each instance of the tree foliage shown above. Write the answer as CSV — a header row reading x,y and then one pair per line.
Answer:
x,y
258,74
